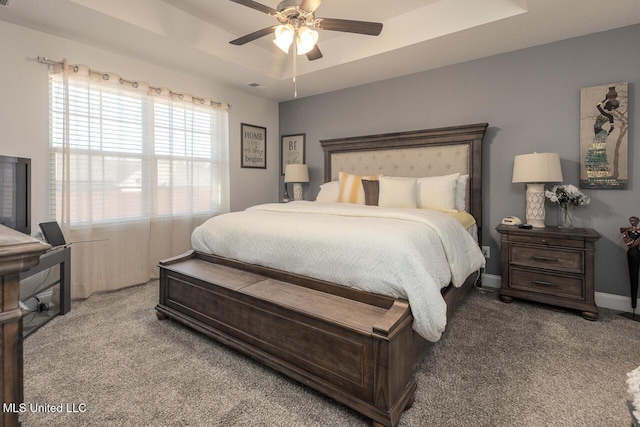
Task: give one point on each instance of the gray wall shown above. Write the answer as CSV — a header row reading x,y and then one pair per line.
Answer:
x,y
530,98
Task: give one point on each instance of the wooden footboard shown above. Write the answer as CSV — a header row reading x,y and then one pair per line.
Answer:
x,y
356,347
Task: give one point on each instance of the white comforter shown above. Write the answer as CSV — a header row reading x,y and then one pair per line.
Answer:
x,y
403,253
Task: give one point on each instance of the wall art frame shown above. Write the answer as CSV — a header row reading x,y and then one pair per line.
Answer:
x,y
253,142
292,150
604,126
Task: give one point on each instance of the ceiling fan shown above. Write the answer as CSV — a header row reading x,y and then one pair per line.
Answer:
x,y
297,22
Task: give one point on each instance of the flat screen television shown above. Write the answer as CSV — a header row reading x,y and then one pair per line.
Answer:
x,y
15,193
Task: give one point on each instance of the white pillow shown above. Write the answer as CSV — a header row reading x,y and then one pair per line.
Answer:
x,y
438,192
461,192
329,192
397,192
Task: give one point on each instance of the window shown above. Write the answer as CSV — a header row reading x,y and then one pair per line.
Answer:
x,y
133,156
183,149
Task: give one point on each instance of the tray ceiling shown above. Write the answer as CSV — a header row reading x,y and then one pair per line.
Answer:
x,y
192,36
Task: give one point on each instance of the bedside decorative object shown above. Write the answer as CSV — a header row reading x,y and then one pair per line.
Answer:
x,y
286,198
297,174
292,150
550,265
566,216
604,125
253,141
567,196
534,170
631,238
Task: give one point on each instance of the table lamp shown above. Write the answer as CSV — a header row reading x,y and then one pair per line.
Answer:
x,y
297,174
534,170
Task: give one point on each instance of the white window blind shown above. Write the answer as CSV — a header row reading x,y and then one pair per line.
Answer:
x,y
133,156
183,150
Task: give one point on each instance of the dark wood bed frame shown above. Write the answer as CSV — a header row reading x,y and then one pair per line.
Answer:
x,y
357,347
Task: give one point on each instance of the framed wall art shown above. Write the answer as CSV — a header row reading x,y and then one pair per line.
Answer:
x,y
604,125
292,150
253,146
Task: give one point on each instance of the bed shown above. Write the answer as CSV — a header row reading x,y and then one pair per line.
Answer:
x,y
346,340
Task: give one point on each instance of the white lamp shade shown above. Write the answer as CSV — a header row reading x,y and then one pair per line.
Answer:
x,y
306,40
284,37
296,173
537,167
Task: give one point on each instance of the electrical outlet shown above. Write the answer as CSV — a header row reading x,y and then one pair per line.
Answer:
x,y
486,251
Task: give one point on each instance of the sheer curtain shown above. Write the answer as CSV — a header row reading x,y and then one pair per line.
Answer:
x,y
135,168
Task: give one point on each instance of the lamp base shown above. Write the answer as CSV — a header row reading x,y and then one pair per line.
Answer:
x,y
535,205
297,191
536,223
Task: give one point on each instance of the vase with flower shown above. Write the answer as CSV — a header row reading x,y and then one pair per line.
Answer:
x,y
567,196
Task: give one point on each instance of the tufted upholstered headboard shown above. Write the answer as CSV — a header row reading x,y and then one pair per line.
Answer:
x,y
430,152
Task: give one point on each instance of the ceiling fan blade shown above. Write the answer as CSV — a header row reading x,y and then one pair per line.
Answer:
x,y
348,26
309,5
253,36
257,6
314,53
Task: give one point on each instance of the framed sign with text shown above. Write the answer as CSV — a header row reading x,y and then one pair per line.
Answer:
x,y
253,146
292,150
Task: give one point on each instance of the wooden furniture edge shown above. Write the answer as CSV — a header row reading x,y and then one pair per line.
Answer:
x,y
165,262
398,312
18,252
296,279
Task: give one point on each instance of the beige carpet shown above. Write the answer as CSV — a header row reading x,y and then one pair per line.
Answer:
x,y
498,365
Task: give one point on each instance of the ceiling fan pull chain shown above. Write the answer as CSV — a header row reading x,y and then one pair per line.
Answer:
x,y
295,54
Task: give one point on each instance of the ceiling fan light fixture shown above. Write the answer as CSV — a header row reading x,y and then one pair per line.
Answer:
x,y
284,37
306,40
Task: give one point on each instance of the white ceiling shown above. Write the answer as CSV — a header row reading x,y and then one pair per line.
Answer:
x,y
192,36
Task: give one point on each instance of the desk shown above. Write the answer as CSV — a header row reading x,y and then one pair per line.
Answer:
x,y
57,256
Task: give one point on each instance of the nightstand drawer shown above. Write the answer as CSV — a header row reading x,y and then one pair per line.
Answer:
x,y
549,265
548,241
549,284
570,261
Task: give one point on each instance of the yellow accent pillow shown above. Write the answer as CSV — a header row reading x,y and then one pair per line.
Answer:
x,y
351,190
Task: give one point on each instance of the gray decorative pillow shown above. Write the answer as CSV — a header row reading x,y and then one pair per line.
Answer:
x,y
371,192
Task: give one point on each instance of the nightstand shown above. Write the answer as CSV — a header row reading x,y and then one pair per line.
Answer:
x,y
549,265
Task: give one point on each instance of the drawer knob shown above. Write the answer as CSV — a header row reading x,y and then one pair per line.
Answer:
x,y
544,258
544,241
538,282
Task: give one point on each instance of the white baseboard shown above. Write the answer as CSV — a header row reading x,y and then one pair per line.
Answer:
x,y
604,300
615,302
491,281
